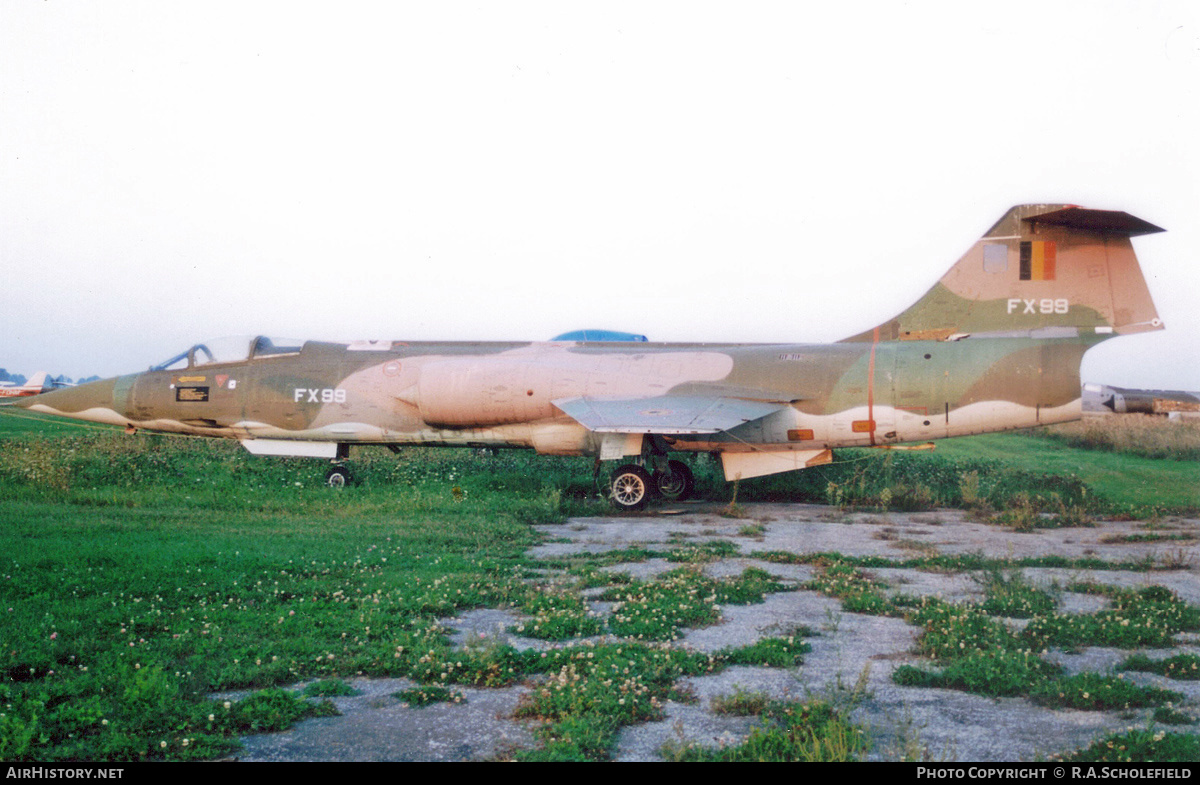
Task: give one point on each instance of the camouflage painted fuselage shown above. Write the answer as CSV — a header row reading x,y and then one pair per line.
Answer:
x,y
995,345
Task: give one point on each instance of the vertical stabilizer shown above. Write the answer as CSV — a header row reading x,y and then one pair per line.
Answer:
x,y
38,382
1052,271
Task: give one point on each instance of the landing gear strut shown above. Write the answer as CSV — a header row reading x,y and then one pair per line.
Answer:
x,y
338,475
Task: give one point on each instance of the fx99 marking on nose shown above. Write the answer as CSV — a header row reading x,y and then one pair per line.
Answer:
x,y
320,395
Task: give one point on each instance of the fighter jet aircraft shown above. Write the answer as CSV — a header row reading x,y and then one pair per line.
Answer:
x,y
996,344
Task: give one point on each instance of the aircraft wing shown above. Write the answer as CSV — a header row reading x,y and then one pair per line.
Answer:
x,y
665,414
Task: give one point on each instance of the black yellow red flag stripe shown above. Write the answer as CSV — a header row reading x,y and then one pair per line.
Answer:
x,y
1038,260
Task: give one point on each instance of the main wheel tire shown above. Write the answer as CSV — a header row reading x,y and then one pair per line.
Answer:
x,y
631,487
675,482
337,477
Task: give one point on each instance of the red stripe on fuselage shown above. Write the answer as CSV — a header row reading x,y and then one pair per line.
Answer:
x,y
871,385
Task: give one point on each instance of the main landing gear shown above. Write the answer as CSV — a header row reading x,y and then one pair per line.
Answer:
x,y
674,482
632,486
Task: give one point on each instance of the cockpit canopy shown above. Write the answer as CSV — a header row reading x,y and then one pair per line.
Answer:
x,y
230,350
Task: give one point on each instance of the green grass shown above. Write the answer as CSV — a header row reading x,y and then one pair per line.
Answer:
x,y
1138,434
1067,484
329,688
782,652
21,424
1183,667
1120,481
590,691
658,610
1146,617
557,615
1008,593
1099,692
976,652
802,732
1168,715
959,562
427,696
858,593
138,575
979,654
1138,746
170,569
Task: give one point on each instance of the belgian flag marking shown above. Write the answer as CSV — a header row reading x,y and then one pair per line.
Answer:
x,y
1038,260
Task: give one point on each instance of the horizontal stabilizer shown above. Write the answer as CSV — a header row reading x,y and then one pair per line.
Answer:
x,y
674,414
1099,221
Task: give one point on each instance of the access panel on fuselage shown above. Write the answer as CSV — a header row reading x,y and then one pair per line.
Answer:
x,y
921,388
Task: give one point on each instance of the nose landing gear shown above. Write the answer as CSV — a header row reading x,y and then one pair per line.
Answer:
x,y
338,477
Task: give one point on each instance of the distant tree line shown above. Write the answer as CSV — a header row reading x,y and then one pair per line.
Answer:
x,y
19,379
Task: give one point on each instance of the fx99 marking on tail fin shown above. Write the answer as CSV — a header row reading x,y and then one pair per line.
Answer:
x,y
970,356
1044,305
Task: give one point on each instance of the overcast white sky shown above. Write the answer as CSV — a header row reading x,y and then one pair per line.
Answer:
x,y
173,172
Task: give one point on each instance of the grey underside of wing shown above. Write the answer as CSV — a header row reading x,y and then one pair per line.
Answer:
x,y
669,414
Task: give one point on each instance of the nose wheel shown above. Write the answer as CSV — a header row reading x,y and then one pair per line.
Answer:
x,y
337,477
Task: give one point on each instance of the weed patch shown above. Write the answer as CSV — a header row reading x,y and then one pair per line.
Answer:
x,y
1008,593
703,553
657,610
1098,692
275,709
557,615
1184,667
329,688
781,652
590,691
858,593
428,695
1147,617
1167,715
809,732
741,703
1141,746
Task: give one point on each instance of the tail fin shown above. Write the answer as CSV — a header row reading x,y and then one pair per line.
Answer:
x,y
37,382
1040,271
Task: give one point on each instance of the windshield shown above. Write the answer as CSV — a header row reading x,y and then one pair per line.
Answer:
x,y
230,350
272,347
222,350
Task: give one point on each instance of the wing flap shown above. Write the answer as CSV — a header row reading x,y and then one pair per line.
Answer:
x,y
669,414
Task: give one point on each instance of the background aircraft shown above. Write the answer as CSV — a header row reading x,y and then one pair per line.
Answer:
x,y
39,383
996,344
1121,400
